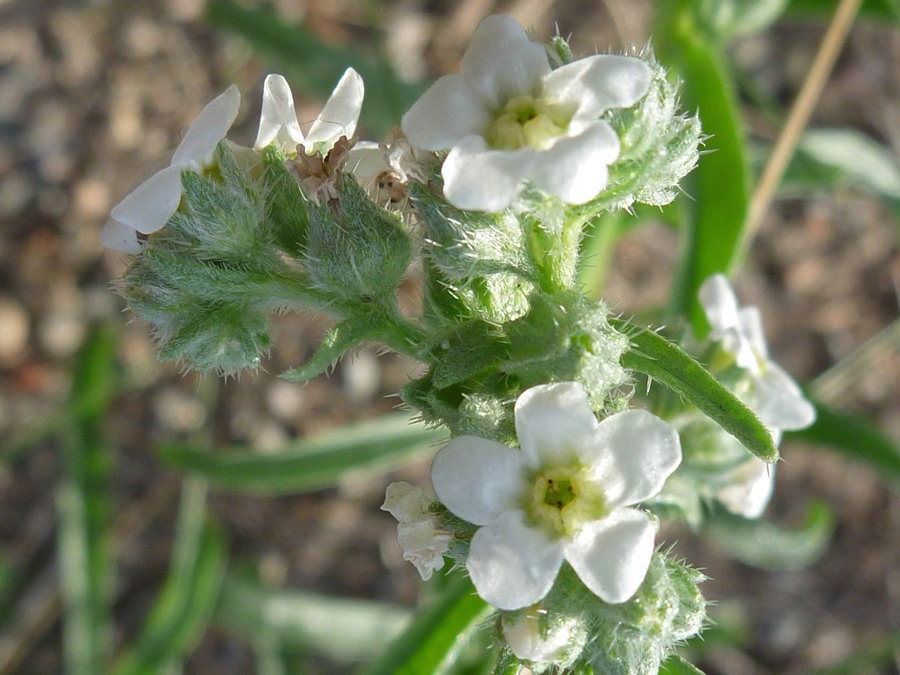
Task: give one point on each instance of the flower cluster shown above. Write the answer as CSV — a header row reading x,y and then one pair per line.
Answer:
x,y
149,206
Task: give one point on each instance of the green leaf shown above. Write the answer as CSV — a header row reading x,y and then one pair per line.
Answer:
x,y
308,464
339,338
828,157
664,361
726,20
185,605
855,437
718,187
343,629
82,500
315,66
676,665
431,641
885,10
762,544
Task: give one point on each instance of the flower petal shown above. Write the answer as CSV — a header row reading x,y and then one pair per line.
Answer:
x,y
149,206
632,454
119,237
611,555
340,113
366,160
513,565
278,118
748,488
445,114
574,168
552,422
208,129
719,302
779,402
501,62
481,179
478,479
751,328
598,83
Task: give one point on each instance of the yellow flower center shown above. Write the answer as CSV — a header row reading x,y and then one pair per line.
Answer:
x,y
563,499
526,120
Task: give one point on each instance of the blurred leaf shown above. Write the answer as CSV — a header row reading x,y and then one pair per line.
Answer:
x,y
854,436
829,158
666,362
82,501
718,186
726,20
343,629
762,544
676,665
873,9
597,245
185,605
315,66
308,464
431,641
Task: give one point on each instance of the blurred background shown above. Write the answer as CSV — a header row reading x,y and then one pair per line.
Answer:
x,y
94,93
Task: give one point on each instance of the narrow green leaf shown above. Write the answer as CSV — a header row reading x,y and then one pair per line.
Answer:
x,y
343,629
316,66
340,337
664,361
676,665
431,641
718,186
884,10
855,437
762,544
82,501
185,605
308,464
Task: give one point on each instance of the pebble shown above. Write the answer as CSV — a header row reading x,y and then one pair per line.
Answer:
x,y
179,411
14,334
361,376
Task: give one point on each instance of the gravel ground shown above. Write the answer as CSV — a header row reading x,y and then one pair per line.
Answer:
x,y
92,94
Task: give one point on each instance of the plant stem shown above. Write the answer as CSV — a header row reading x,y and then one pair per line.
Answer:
x,y
797,120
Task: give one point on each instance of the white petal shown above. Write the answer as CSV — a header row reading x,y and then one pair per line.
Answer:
x,y
208,129
751,327
526,642
405,502
552,422
501,62
366,160
340,113
513,565
779,402
748,488
149,206
481,179
445,114
632,455
119,237
278,119
598,83
611,556
478,479
574,168
719,302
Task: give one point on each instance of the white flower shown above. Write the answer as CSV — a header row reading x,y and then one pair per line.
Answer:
x,y
150,205
770,392
278,119
774,396
418,531
557,645
507,117
564,495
